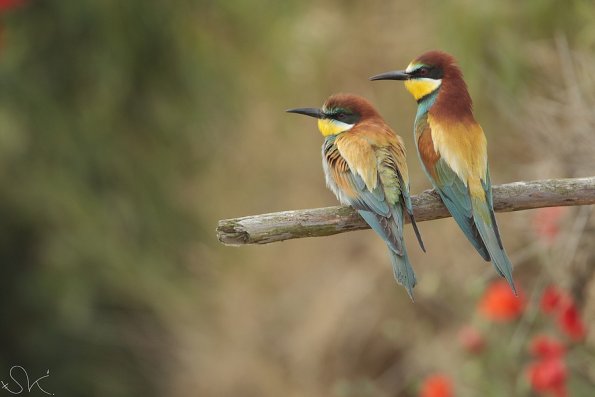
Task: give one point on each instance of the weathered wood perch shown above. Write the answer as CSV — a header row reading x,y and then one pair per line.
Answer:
x,y
427,206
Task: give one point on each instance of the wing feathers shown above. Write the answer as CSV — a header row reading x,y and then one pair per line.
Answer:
x,y
366,169
461,177
360,158
462,145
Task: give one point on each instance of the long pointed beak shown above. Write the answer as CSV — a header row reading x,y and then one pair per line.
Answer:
x,y
312,112
395,75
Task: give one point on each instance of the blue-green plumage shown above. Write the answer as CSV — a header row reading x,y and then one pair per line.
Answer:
x,y
453,150
424,105
384,217
390,228
364,166
449,186
474,215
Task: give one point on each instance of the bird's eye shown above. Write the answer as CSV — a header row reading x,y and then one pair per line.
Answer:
x,y
341,116
423,71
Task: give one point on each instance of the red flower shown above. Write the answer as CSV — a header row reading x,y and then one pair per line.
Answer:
x,y
471,340
548,375
437,385
553,299
499,303
570,322
545,347
546,223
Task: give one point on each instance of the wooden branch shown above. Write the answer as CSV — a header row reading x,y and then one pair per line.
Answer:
x,y
427,206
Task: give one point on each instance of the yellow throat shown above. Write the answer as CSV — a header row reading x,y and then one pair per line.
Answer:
x,y
329,127
421,87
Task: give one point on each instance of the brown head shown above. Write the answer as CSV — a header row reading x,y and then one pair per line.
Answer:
x,y
340,113
435,76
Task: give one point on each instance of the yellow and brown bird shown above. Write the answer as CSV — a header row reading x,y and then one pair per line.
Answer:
x,y
453,150
364,165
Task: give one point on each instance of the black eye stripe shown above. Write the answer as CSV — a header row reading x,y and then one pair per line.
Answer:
x,y
425,71
344,116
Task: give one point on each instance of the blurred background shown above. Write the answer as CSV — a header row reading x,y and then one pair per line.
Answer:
x,y
127,129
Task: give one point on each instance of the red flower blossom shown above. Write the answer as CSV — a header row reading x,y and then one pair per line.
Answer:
x,y
546,347
499,303
437,385
553,299
570,322
471,340
546,223
548,375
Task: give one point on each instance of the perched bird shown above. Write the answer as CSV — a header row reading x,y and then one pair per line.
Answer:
x,y
364,165
453,150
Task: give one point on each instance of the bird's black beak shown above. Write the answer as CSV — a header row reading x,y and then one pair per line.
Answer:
x,y
312,112
395,75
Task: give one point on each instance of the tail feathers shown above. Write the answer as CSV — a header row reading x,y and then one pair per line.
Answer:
x,y
391,231
387,228
409,208
465,223
403,271
417,233
488,230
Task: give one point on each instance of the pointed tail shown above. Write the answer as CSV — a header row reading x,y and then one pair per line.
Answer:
x,y
485,220
391,231
403,271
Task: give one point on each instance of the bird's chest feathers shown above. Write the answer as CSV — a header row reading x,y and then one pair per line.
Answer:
x,y
462,145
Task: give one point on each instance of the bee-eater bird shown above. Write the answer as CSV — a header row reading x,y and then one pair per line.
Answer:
x,y
364,166
453,150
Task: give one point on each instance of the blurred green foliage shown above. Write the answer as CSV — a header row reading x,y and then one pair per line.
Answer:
x,y
492,38
100,107
108,112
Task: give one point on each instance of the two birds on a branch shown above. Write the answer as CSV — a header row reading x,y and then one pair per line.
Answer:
x,y
365,166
